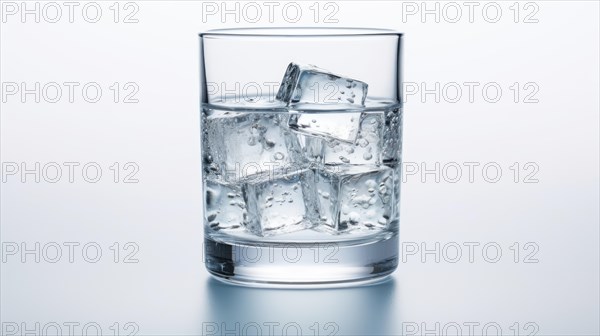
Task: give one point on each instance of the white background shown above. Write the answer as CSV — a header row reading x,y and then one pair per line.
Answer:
x,y
552,283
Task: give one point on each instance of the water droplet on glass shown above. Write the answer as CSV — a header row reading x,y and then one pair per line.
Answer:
x,y
269,144
362,142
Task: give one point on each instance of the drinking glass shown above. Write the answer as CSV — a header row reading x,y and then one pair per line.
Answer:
x,y
301,133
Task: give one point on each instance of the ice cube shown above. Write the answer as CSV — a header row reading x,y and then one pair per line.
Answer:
x,y
281,203
340,126
355,197
237,145
365,150
311,88
224,206
308,84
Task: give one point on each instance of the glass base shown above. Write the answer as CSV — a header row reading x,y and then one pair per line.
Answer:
x,y
293,265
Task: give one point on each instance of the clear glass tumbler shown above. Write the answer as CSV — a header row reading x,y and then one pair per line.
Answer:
x,y
301,154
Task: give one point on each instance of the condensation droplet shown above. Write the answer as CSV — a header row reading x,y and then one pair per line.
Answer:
x,y
344,159
362,142
269,144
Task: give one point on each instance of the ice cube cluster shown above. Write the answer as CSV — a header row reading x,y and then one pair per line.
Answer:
x,y
320,165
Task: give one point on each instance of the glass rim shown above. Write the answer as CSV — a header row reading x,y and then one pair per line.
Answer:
x,y
314,32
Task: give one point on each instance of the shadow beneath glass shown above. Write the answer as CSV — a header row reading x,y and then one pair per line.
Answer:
x,y
364,310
